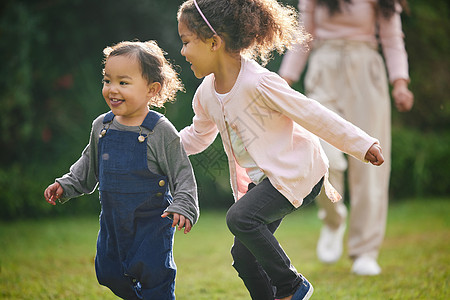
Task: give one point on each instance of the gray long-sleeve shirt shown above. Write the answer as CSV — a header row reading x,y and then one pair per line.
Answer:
x,y
165,156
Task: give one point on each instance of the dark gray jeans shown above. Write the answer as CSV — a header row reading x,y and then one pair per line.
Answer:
x,y
258,257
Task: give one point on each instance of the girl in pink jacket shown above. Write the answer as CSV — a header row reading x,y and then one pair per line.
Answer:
x,y
269,131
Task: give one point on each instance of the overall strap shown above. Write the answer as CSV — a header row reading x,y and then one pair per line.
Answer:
x,y
151,119
108,117
149,122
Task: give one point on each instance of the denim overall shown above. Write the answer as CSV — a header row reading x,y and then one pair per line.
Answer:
x,y
134,247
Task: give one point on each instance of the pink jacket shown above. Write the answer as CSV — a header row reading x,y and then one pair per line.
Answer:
x,y
358,21
279,128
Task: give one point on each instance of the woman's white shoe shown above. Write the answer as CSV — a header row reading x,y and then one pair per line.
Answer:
x,y
331,244
366,265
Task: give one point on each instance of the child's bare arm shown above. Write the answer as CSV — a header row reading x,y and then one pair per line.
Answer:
x,y
374,155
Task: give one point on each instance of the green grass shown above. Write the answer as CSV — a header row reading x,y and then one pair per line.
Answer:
x,y
54,259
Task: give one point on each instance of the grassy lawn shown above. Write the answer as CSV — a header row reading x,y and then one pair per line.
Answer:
x,y
54,259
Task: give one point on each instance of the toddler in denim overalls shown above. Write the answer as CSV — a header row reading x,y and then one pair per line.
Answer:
x,y
136,158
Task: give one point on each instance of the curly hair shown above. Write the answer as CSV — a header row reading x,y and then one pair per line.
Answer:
x,y
154,67
387,7
253,28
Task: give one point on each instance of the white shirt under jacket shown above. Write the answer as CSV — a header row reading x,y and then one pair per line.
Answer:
x,y
279,128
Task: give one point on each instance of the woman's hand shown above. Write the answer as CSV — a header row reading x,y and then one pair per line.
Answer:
x,y
403,97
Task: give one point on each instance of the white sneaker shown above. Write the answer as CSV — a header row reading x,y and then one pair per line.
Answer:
x,y
331,244
366,266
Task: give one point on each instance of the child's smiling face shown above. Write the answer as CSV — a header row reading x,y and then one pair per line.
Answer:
x,y
196,51
125,90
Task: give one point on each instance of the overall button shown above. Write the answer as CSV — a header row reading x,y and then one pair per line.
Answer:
x,y
102,133
159,194
162,183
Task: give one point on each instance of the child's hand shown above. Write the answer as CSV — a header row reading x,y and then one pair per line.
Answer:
x,y
53,192
374,155
181,220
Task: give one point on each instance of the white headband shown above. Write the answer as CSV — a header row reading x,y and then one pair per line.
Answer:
x,y
204,18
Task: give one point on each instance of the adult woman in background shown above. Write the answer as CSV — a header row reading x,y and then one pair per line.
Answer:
x,y
347,74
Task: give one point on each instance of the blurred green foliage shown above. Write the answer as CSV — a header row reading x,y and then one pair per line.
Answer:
x,y
50,92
